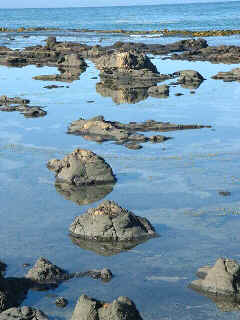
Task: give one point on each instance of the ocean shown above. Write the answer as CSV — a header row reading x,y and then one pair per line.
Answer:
x,y
174,184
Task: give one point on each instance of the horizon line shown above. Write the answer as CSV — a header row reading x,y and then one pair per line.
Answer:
x,y
126,5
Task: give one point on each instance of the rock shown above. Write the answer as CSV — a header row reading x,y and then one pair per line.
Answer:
x,y
221,279
61,302
133,146
46,272
224,193
189,76
178,94
66,75
120,309
3,267
82,167
53,86
72,61
27,111
51,42
229,76
23,313
17,100
100,130
111,222
159,91
84,194
105,274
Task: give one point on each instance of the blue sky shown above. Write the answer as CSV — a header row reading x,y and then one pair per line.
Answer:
x,y
80,3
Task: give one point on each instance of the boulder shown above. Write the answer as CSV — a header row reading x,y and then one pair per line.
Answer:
x,y
110,222
23,313
120,309
159,91
46,272
186,76
82,167
221,279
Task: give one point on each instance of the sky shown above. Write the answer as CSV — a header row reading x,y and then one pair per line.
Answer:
x,y
87,3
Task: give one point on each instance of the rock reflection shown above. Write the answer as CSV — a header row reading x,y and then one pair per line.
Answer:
x,y
106,248
86,194
122,93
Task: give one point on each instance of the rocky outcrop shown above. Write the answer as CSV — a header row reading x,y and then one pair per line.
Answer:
x,y
221,279
84,194
120,309
27,111
82,167
23,313
66,75
4,100
100,130
159,91
189,78
229,76
111,222
72,61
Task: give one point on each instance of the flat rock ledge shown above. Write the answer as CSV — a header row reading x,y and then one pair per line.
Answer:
x,y
221,279
82,167
229,76
110,222
23,313
120,309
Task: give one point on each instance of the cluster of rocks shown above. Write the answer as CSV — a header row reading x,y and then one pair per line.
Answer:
x,y
100,130
18,104
221,54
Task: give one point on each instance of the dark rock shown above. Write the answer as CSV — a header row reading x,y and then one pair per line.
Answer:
x,y
51,42
221,279
82,167
178,94
159,91
27,111
120,309
61,302
3,267
111,222
53,86
4,100
133,146
23,313
224,193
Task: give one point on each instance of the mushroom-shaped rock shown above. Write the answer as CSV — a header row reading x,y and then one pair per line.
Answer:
x,y
23,313
72,61
110,222
120,309
159,91
221,279
82,167
46,272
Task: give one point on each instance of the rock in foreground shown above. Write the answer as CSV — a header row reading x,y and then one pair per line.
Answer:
x,y
82,167
120,309
23,313
221,279
111,222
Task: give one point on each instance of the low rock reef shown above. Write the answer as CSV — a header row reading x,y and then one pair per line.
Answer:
x,y
18,104
120,309
229,76
82,167
110,222
100,130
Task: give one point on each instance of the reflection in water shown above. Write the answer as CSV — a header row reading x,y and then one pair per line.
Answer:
x,y
223,303
191,85
83,195
122,93
107,248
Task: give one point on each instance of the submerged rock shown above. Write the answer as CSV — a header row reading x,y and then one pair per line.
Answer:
x,y
82,167
111,222
120,309
221,279
23,313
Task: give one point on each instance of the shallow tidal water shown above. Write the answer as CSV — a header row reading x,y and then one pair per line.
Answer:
x,y
174,184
